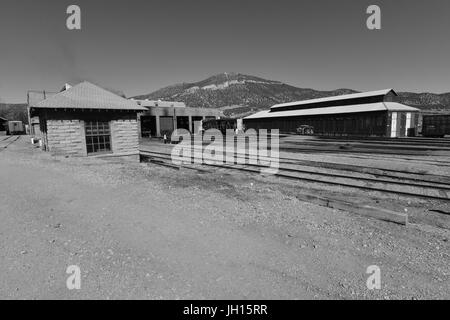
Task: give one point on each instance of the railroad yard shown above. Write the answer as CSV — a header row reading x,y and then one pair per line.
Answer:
x,y
409,177
158,230
225,153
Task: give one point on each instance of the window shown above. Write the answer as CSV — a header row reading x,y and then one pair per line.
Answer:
x,y
98,137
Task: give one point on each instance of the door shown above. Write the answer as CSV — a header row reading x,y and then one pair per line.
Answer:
x,y
408,123
394,125
166,125
196,123
148,126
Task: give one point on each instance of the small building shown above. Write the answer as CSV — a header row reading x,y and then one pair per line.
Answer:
x,y
86,120
373,113
163,117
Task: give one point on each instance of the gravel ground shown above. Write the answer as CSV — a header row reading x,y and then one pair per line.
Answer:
x,y
146,231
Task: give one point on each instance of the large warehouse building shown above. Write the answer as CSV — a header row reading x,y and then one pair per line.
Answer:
x,y
373,113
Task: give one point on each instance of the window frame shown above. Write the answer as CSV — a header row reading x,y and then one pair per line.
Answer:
x,y
101,132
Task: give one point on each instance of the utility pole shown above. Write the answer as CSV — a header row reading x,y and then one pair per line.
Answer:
x,y
174,118
30,127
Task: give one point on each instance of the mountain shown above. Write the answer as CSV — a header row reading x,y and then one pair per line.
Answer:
x,y
426,101
239,95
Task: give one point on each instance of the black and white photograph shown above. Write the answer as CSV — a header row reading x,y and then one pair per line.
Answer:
x,y
224,155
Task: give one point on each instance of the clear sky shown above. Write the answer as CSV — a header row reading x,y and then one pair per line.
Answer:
x,y
138,46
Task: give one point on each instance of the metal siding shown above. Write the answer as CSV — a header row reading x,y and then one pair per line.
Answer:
x,y
362,124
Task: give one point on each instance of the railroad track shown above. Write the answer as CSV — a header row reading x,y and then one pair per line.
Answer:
x,y
371,145
398,158
400,141
408,149
410,187
387,151
398,147
402,175
366,155
9,141
6,138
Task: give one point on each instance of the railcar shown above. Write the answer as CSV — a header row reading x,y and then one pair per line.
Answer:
x,y
436,125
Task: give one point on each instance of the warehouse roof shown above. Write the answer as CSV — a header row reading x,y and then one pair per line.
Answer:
x,y
368,107
369,94
86,95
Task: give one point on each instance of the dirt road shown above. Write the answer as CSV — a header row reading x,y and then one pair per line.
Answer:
x,y
143,231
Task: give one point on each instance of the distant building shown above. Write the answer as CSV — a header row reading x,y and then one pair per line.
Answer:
x,y
87,120
162,117
362,114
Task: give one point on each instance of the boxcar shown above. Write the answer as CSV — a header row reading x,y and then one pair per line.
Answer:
x,y
14,127
221,124
436,125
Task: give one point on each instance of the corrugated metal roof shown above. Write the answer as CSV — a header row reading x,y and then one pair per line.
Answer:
x,y
34,97
336,98
369,107
86,95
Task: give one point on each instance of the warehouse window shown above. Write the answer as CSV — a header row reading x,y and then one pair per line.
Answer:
x,y
98,137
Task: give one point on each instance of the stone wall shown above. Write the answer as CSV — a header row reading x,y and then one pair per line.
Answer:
x,y
66,137
124,136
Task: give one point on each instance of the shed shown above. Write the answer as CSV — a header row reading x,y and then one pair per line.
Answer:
x,y
86,120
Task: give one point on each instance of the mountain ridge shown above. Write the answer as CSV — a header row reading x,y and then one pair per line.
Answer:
x,y
239,95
